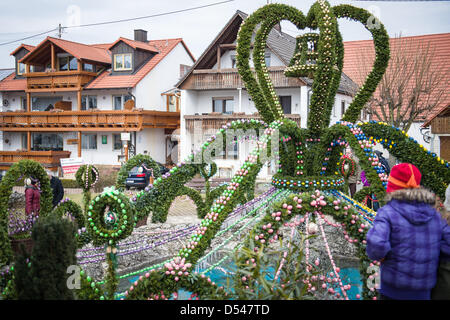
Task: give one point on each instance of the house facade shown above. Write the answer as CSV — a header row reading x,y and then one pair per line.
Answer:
x,y
67,99
212,94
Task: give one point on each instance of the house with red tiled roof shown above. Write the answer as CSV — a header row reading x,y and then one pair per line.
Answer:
x,y
358,61
68,99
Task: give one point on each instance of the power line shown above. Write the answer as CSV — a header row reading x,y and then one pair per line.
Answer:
x,y
59,29
150,16
29,37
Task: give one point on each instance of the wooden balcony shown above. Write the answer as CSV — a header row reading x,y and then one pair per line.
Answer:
x,y
49,159
215,121
104,120
230,79
58,81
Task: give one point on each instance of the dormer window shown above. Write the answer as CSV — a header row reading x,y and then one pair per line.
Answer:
x,y
21,68
122,62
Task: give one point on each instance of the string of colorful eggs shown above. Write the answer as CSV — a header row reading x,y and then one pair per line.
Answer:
x,y
174,237
257,123
300,162
334,143
307,183
390,144
257,209
111,217
347,161
366,145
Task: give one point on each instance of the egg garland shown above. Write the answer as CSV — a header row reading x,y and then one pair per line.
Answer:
x,y
123,212
87,176
324,203
158,197
69,206
435,171
345,160
307,183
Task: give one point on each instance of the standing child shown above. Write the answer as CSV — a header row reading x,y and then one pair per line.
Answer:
x,y
407,236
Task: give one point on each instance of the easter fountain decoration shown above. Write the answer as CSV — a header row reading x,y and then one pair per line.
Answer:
x,y
309,178
313,174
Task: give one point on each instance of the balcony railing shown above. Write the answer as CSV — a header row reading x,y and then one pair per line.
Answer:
x,y
49,159
58,81
230,79
104,120
215,121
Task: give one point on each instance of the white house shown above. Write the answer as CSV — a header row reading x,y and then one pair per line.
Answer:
x,y
68,99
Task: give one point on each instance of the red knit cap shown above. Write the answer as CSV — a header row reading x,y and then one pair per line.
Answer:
x,y
403,175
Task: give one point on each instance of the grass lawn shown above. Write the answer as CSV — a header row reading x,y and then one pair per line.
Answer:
x,y
78,197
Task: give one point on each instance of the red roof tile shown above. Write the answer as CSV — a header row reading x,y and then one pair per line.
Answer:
x,y
106,81
11,84
359,56
135,44
78,50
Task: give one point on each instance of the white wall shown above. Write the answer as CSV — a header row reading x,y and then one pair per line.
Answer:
x,y
161,79
154,142
225,60
414,131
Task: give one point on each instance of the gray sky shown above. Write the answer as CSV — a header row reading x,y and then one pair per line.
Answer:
x,y
19,19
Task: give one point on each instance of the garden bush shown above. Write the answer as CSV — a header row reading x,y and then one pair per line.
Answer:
x,y
44,276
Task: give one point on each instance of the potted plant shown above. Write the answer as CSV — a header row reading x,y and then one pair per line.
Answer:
x,y
20,231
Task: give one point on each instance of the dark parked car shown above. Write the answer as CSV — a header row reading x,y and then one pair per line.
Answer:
x,y
139,177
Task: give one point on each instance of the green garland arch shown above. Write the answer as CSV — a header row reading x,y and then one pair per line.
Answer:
x,y
435,171
17,170
92,176
382,52
69,206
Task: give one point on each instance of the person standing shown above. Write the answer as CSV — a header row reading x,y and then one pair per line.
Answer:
x,y
442,289
32,197
57,188
383,162
407,237
355,176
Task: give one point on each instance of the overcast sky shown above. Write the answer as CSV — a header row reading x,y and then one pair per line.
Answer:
x,y
19,19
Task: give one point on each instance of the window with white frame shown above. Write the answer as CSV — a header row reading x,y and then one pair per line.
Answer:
x,y
123,62
117,141
89,141
88,102
223,105
119,101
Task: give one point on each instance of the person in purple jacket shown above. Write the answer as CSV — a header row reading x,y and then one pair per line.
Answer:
x,y
407,237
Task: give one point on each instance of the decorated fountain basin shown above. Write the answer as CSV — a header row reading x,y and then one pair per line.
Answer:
x,y
222,276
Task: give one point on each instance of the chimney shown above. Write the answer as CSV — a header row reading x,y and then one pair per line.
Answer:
x,y
140,35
